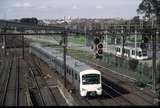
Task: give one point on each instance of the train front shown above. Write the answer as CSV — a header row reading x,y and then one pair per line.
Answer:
x,y
90,83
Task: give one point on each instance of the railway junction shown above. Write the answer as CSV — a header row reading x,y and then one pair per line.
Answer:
x,y
27,80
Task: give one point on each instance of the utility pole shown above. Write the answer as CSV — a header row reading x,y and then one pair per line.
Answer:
x,y
64,54
135,43
23,45
85,35
5,29
22,31
154,35
5,45
122,33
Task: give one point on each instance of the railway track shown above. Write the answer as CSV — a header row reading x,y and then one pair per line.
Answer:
x,y
56,96
36,71
115,93
37,66
5,81
10,96
32,69
17,81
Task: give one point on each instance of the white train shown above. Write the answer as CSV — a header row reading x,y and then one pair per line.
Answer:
x,y
84,79
130,52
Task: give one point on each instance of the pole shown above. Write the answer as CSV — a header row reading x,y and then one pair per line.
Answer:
x,y
5,45
122,32
106,42
64,55
23,45
154,61
85,37
135,44
5,29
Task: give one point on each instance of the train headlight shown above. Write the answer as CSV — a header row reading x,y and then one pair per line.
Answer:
x,y
83,89
99,88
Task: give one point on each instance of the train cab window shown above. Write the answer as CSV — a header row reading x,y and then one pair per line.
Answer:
x,y
133,52
140,54
137,53
91,79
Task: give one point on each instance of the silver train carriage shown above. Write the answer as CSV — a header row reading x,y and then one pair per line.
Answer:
x,y
83,78
130,52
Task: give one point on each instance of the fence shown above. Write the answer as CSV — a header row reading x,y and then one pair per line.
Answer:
x,y
141,71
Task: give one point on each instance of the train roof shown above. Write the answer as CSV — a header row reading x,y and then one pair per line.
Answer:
x,y
77,65
128,47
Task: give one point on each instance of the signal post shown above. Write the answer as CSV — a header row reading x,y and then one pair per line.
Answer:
x,y
98,48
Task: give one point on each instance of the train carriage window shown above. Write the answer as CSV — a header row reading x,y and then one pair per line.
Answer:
x,y
144,53
75,76
118,49
128,52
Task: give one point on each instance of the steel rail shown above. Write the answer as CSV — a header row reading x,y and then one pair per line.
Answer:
x,y
7,83
37,66
37,85
17,83
116,91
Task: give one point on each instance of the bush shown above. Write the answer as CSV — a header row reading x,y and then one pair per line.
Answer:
x,y
133,63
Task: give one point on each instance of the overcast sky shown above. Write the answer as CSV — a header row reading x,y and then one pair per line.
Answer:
x,y
50,9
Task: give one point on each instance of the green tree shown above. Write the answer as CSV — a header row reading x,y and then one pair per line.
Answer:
x,y
151,8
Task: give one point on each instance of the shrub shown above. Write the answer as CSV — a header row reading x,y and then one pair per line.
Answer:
x,y
133,63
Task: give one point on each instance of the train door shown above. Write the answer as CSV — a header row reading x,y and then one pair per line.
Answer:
x,y
76,83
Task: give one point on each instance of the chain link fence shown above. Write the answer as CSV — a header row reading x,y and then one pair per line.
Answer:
x,y
138,70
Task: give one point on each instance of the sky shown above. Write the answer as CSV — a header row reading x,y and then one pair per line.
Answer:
x,y
53,9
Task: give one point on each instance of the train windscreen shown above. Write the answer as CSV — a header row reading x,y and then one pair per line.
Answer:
x,y
91,79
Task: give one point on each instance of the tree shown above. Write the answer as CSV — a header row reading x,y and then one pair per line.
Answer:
x,y
151,8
